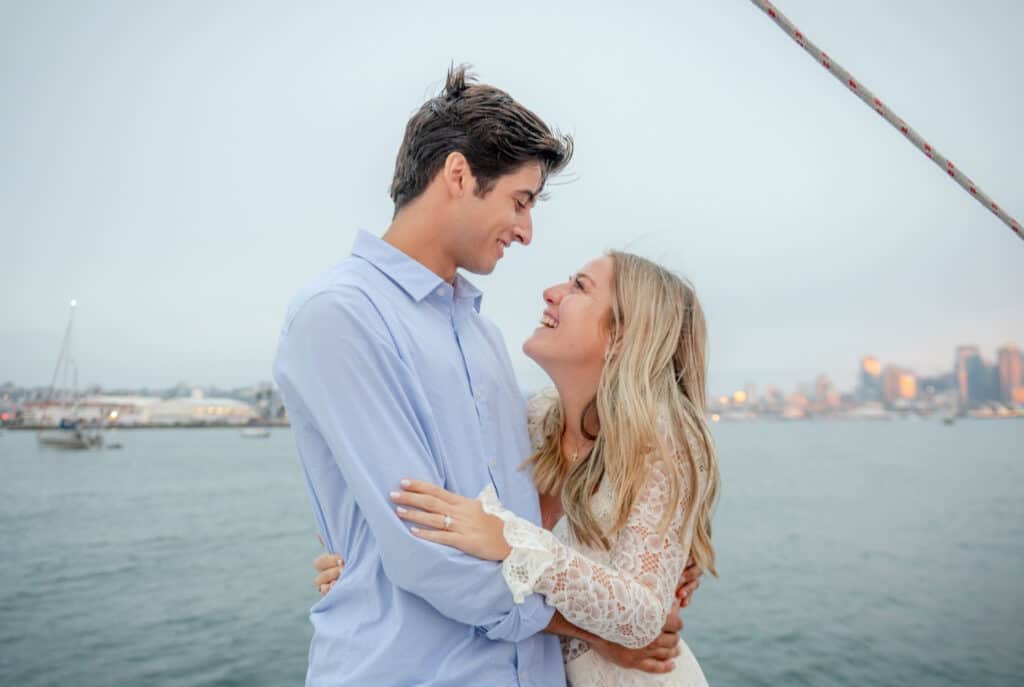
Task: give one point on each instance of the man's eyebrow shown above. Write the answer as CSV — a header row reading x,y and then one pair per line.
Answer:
x,y
534,195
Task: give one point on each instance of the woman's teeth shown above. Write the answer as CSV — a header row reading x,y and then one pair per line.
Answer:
x,y
549,322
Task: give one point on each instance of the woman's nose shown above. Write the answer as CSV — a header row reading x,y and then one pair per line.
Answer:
x,y
552,295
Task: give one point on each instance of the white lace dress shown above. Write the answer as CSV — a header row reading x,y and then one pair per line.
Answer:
x,y
623,594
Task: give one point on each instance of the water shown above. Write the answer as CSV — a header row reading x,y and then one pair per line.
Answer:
x,y
850,554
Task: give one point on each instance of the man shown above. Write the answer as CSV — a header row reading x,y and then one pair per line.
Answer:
x,y
388,371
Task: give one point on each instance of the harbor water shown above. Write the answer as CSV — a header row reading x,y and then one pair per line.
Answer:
x,y
883,553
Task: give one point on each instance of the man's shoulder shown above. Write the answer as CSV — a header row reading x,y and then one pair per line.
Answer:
x,y
346,289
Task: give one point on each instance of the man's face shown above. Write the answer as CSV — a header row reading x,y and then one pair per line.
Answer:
x,y
489,225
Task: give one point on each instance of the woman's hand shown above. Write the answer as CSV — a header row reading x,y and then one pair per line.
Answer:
x,y
452,520
328,567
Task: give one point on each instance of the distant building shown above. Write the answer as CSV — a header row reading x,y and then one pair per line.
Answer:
x,y
891,384
202,411
963,354
908,386
898,385
142,411
981,380
870,379
1010,375
825,394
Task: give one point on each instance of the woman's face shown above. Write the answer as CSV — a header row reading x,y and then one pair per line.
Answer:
x,y
574,329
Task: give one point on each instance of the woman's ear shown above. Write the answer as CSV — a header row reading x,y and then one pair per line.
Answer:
x,y
613,347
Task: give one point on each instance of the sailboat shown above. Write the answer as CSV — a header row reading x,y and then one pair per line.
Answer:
x,y
71,433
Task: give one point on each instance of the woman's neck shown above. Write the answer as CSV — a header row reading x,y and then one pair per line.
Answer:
x,y
575,392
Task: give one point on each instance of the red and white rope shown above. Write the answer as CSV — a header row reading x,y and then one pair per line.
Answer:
x,y
881,108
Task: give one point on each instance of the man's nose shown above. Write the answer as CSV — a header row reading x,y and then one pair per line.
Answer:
x,y
524,231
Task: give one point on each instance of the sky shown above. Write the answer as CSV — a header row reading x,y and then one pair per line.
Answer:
x,y
181,169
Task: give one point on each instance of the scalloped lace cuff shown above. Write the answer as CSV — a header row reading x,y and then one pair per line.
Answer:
x,y
532,547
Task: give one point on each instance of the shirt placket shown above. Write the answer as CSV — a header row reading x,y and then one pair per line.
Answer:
x,y
467,347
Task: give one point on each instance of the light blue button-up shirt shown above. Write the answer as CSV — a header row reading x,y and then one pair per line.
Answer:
x,y
388,371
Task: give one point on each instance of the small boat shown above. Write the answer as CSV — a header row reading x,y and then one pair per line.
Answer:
x,y
71,436
948,420
255,433
71,433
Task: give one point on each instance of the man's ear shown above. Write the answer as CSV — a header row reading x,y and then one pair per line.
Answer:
x,y
458,178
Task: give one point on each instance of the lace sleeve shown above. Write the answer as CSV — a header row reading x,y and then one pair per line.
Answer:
x,y
536,411
625,601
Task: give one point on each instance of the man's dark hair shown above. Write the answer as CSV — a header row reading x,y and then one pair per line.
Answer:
x,y
495,133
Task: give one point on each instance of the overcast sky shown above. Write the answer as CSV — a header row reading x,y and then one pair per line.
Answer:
x,y
182,168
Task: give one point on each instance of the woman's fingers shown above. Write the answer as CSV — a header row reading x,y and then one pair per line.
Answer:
x,y
430,489
328,560
328,576
324,588
421,518
438,536
430,504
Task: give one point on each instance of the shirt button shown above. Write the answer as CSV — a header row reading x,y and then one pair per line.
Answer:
x,y
440,291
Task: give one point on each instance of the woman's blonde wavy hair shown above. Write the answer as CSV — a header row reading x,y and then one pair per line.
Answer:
x,y
656,369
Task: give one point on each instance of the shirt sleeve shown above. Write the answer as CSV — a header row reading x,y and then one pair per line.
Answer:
x,y
339,371
625,601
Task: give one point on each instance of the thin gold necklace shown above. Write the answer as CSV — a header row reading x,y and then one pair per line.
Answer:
x,y
576,453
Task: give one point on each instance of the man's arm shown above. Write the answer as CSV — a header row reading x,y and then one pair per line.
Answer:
x,y
339,370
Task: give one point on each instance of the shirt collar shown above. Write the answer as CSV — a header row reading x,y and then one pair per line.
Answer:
x,y
411,276
465,290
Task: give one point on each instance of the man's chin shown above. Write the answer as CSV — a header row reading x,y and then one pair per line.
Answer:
x,y
480,268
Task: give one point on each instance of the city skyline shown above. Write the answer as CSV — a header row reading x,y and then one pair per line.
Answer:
x,y
995,360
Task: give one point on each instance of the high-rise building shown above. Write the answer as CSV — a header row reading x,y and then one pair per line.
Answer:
x,y
891,383
870,379
908,385
964,354
1010,373
825,393
898,384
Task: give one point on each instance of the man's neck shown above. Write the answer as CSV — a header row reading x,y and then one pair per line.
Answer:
x,y
421,239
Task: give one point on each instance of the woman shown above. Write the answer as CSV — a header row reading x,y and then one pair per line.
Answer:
x,y
622,449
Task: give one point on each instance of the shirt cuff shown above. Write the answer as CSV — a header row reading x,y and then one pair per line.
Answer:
x,y
523,621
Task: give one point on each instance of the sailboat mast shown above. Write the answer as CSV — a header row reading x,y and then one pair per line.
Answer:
x,y
65,348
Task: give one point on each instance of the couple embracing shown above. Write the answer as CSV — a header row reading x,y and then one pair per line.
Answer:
x,y
487,539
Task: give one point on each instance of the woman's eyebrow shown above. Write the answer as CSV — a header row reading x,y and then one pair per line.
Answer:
x,y
584,275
